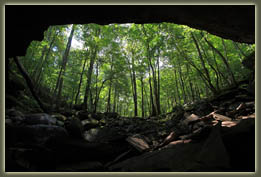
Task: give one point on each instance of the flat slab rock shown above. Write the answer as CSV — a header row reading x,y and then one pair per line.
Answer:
x,y
138,143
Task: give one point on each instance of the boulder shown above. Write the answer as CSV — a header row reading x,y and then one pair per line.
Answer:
x,y
97,116
82,115
34,134
111,114
74,127
89,126
59,117
39,118
16,116
103,135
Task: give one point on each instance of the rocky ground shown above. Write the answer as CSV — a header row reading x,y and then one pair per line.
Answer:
x,y
215,134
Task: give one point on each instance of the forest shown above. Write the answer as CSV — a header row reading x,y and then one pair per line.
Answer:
x,y
149,76
135,70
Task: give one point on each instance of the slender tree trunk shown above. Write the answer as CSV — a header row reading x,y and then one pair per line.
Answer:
x,y
220,73
117,103
148,103
156,102
134,89
182,82
142,97
226,57
80,83
190,83
64,61
59,91
109,99
109,92
197,91
96,87
153,111
177,89
203,77
201,57
211,66
114,99
224,61
98,96
37,81
155,90
89,79
63,68
158,94
91,101
207,76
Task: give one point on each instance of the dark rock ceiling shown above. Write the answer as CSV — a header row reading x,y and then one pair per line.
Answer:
x,y
26,23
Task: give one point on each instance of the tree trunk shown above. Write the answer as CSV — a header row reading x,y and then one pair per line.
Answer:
x,y
109,99
37,81
142,97
197,91
224,61
207,76
158,94
177,89
64,61
220,73
190,83
98,96
182,81
226,57
80,83
211,65
63,68
114,99
89,78
134,89
96,87
155,103
155,85
153,110
90,101
201,58
203,77
148,103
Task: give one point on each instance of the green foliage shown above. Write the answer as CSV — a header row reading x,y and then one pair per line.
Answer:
x,y
182,72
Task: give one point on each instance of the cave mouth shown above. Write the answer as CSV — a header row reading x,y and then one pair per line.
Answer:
x,y
114,95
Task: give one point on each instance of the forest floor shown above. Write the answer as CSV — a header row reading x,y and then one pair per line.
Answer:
x,y
215,134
